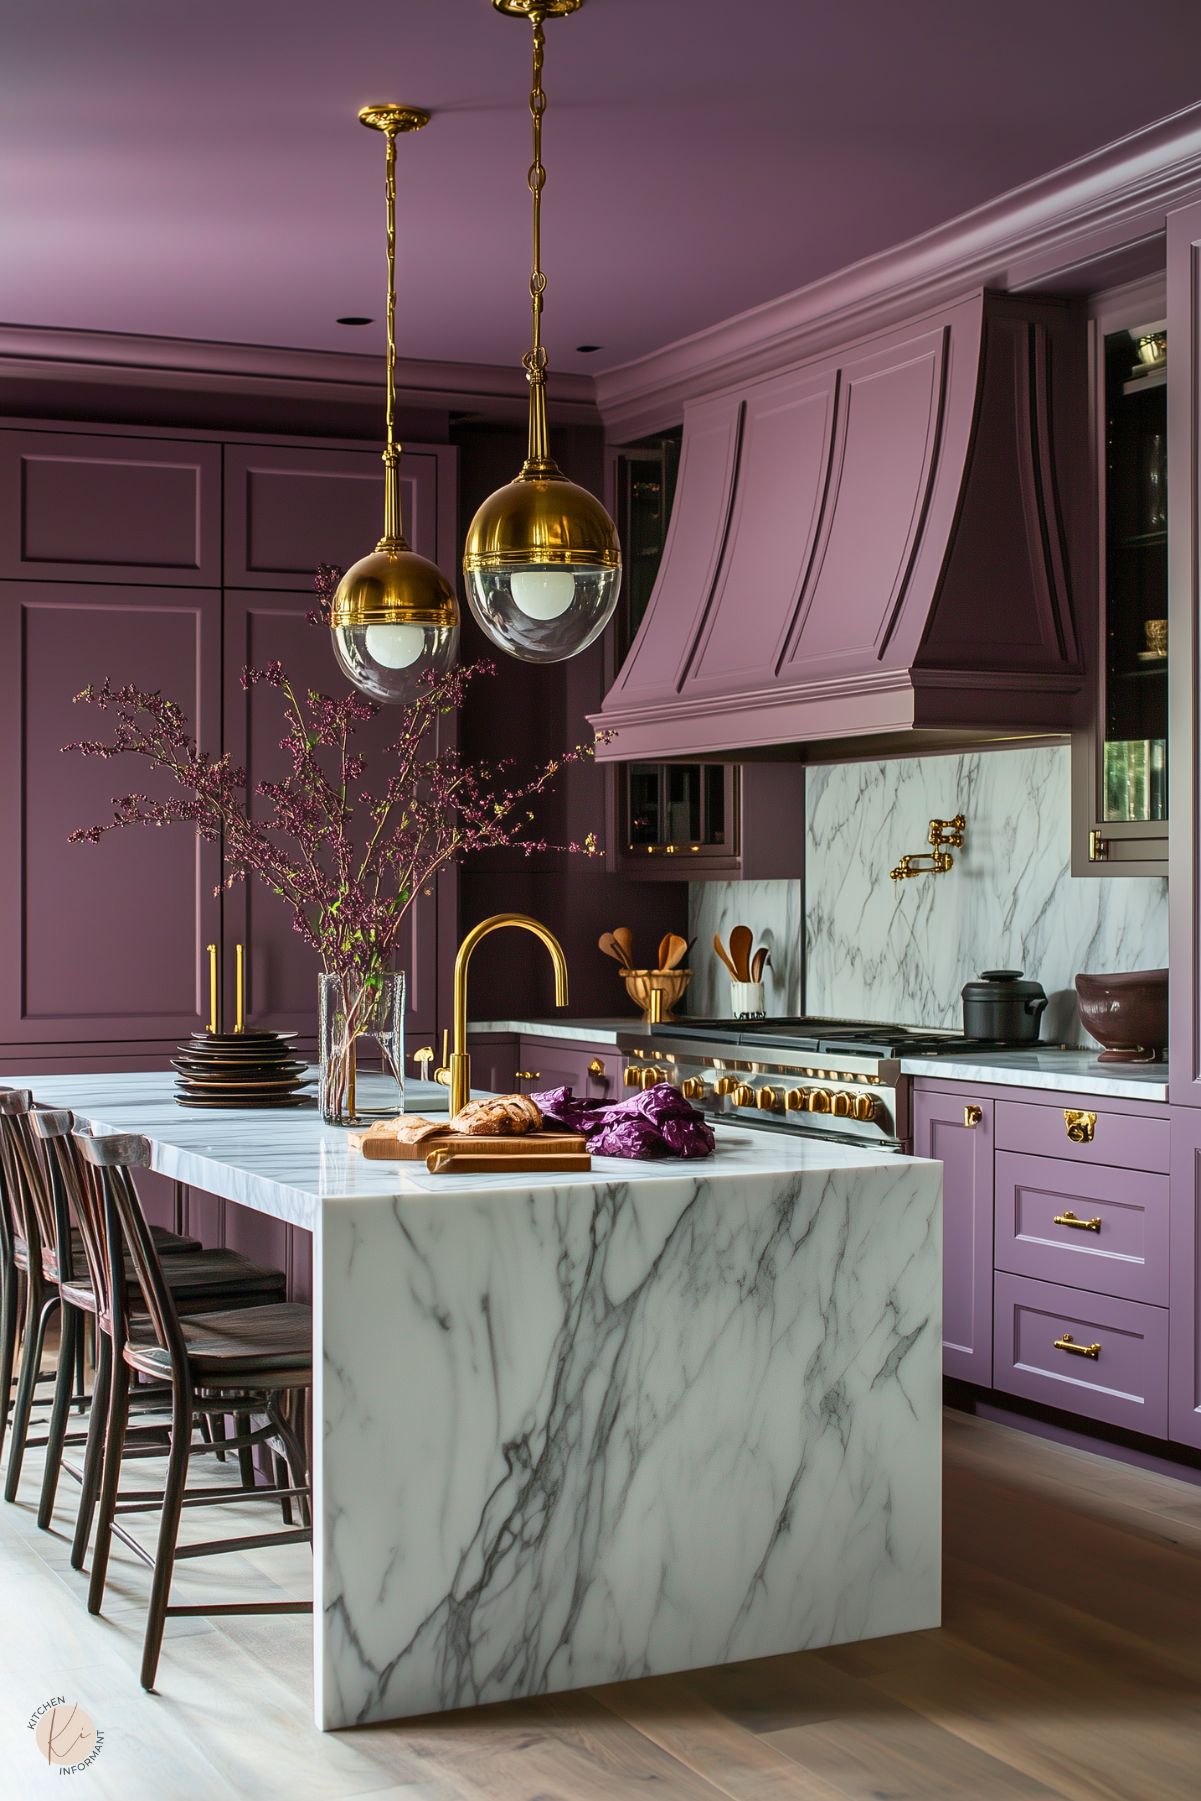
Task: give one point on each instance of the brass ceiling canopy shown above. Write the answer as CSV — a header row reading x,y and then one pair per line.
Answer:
x,y
542,560
394,616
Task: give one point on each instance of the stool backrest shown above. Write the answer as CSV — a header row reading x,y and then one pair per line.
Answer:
x,y
74,1199
22,1178
109,1160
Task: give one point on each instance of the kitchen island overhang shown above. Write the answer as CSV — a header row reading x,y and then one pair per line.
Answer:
x,y
577,1429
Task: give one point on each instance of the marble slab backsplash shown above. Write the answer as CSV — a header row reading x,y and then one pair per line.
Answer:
x,y
773,912
902,951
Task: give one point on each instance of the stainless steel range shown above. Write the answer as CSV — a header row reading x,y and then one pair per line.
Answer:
x,y
838,1078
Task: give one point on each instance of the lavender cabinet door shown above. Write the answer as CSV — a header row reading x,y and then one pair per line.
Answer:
x,y
941,1130
288,508
281,968
98,508
1103,1229
1090,1354
105,942
1184,1291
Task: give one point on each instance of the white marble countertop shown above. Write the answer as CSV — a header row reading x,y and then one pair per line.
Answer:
x,y
289,1164
586,1031
1045,1066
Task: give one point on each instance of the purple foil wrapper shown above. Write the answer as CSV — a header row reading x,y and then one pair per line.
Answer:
x,y
658,1122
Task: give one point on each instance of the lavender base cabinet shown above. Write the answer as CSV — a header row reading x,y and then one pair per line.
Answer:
x,y
941,1130
1184,1384
1084,1353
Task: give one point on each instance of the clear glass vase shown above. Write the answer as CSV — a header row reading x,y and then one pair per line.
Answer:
x,y
361,1048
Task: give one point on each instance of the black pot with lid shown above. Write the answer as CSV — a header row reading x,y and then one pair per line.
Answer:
x,y
1001,1006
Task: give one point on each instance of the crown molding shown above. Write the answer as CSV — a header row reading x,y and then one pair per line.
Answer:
x,y
1087,213
51,353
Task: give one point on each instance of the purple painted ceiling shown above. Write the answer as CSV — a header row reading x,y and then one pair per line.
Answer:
x,y
196,170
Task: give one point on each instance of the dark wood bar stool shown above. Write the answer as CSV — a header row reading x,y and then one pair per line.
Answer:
x,y
199,1280
253,1361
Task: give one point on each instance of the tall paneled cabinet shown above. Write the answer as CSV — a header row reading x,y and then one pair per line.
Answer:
x,y
169,561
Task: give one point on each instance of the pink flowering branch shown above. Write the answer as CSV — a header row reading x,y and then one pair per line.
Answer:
x,y
349,861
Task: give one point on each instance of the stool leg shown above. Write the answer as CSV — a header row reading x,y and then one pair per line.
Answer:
x,y
114,1445
31,1359
56,1431
245,1453
93,1451
168,1528
8,1344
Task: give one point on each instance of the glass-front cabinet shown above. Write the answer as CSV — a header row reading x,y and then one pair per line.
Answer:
x,y
1121,776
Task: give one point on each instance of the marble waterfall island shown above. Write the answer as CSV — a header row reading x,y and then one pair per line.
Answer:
x,y
574,1429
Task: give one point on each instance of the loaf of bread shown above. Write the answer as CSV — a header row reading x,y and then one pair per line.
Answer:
x,y
505,1117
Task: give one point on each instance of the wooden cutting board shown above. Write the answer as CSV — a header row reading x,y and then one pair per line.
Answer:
x,y
386,1149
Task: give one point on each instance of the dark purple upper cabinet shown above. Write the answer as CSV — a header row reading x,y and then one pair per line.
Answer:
x,y
870,546
106,943
109,509
289,509
281,969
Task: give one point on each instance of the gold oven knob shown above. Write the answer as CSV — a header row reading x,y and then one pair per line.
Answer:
x,y
743,1095
819,1100
842,1105
865,1106
632,1076
765,1100
650,1075
795,1100
725,1085
692,1088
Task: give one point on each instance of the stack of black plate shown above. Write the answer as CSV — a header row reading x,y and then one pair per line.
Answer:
x,y
239,1069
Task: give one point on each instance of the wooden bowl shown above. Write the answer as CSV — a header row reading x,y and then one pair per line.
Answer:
x,y
642,983
1128,1014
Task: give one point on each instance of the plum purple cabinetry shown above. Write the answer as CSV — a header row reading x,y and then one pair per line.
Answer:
x,y
1184,1387
526,1064
169,562
955,1127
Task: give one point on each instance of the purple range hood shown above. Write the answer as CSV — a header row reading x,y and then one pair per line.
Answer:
x,y
870,551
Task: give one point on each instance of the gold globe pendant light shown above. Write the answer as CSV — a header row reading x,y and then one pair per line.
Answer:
x,y
395,619
542,560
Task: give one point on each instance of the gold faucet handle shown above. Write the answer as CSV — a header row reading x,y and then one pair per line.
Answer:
x,y
424,1057
442,1073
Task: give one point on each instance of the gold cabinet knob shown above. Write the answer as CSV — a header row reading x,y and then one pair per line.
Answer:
x,y
631,1076
795,1099
424,1057
725,1085
743,1095
866,1107
692,1088
819,1100
972,1115
1081,1126
596,1067
528,1075
766,1100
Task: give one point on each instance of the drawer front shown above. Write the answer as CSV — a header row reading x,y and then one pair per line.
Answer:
x,y
1125,1384
1125,1140
1102,1229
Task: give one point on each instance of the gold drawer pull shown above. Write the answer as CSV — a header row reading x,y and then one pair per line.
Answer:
x,y
1081,1126
1081,1225
1068,1343
528,1075
972,1115
596,1067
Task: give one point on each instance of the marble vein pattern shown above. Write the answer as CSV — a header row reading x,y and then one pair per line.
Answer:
x,y
637,1424
571,1429
902,951
1066,1072
773,912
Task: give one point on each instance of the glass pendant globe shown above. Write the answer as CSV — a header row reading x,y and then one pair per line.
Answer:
x,y
390,663
543,614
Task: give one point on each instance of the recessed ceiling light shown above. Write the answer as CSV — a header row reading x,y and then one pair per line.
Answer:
x,y
587,349
354,319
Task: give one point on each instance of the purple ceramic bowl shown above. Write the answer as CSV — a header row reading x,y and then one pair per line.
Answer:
x,y
1128,1014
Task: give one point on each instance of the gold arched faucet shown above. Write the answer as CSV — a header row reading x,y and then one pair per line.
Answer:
x,y
457,1074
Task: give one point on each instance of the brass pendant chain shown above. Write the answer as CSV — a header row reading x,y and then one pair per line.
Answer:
x,y
393,526
534,360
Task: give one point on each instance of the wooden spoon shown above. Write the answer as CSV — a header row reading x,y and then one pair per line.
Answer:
x,y
672,950
741,940
720,948
625,938
607,942
759,962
